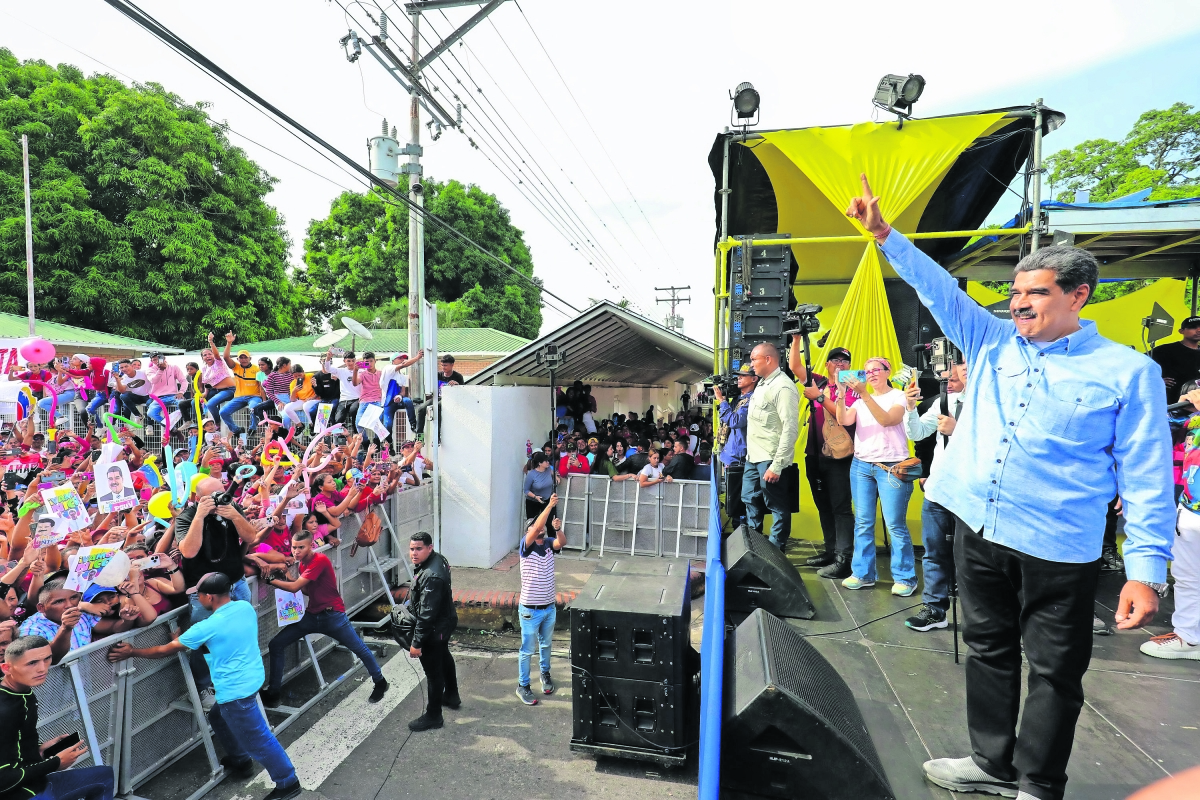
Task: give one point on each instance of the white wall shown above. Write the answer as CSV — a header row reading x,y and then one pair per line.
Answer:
x,y
484,431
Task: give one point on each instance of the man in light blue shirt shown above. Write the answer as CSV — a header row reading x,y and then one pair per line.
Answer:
x,y
1057,421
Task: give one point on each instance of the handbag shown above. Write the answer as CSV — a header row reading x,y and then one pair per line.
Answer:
x,y
404,625
368,533
907,470
836,440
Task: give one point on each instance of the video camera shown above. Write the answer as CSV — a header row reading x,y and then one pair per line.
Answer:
x,y
941,353
802,320
726,383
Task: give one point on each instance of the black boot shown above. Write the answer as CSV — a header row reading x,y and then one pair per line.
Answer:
x,y
425,722
821,559
840,568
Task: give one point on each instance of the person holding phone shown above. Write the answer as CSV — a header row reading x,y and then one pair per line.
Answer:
x,y
27,768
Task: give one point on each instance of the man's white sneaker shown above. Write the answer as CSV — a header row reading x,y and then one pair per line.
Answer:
x,y
1169,645
964,775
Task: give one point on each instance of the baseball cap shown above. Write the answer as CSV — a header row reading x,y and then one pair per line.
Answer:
x,y
245,353
695,428
746,369
1190,322
95,590
212,583
399,355
838,352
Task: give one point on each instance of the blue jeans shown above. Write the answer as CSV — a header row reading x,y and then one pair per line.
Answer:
x,y
244,733
537,626
237,404
333,624
937,525
239,591
155,413
214,403
757,493
64,397
389,412
99,399
85,783
130,402
870,483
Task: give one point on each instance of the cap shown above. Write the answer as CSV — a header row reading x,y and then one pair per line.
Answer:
x,y
1190,322
211,583
695,428
83,359
746,369
838,352
156,355
593,440
399,355
95,590
447,359
245,353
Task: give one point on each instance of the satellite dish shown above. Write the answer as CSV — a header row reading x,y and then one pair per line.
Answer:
x,y
333,337
357,328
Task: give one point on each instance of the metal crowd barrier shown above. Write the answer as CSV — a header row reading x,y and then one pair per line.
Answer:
x,y
140,716
667,519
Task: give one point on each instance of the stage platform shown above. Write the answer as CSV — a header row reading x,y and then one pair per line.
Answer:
x,y
1140,721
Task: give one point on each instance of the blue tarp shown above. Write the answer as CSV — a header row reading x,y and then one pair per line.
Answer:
x,y
712,655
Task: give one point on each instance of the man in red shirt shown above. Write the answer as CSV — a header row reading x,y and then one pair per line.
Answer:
x,y
324,613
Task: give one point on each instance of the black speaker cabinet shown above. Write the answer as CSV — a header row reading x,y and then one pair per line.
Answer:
x,y
634,627
668,569
758,575
791,725
641,720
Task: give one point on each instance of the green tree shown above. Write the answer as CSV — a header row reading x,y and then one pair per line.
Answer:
x,y
357,257
1161,153
147,221
394,314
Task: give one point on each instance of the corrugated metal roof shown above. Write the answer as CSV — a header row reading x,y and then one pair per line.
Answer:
x,y
389,340
607,346
13,326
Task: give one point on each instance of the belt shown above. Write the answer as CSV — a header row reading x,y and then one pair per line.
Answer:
x,y
542,607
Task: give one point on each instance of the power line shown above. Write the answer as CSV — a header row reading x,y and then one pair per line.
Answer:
x,y
297,130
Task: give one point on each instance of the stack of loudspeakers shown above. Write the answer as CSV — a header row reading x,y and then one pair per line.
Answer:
x,y
633,668
791,725
760,287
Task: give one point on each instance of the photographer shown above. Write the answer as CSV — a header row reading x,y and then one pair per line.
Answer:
x,y
827,458
733,436
1057,422
773,425
937,524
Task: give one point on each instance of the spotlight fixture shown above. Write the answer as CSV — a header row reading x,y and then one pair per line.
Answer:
x,y
897,93
745,104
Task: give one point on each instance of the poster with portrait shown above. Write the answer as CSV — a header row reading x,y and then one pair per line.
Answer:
x,y
88,563
65,503
114,485
289,607
48,531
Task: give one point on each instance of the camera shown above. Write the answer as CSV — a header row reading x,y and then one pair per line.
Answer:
x,y
726,383
802,320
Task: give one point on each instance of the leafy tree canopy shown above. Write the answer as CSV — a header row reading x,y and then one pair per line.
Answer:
x,y
147,222
1162,153
394,314
357,258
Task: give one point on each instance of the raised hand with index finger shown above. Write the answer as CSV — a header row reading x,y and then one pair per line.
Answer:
x,y
865,209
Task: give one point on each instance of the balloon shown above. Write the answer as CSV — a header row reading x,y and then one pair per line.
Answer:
x,y
115,571
199,417
38,351
160,505
166,415
195,479
183,482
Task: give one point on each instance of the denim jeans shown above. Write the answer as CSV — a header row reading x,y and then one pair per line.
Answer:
x,y
237,404
64,397
217,400
333,624
239,591
130,403
155,413
537,626
389,412
937,529
85,783
99,399
244,733
757,493
870,483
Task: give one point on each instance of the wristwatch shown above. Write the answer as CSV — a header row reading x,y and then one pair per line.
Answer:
x,y
1159,588
821,398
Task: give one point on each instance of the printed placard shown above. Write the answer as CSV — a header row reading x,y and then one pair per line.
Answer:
x,y
114,485
324,412
372,420
88,563
49,531
65,503
289,607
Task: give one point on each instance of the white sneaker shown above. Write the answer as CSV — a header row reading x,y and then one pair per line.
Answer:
x,y
1170,646
964,775
208,699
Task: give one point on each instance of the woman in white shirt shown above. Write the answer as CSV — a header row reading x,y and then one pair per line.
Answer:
x,y
879,441
652,472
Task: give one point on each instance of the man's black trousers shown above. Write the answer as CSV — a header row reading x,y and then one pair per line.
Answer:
x,y
1009,598
829,480
441,677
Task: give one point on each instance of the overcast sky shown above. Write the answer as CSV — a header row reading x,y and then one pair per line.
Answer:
x,y
620,141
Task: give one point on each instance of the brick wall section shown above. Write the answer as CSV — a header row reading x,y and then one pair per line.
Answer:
x,y
470,366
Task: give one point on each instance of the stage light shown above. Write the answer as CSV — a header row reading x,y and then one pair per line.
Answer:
x,y
745,100
897,93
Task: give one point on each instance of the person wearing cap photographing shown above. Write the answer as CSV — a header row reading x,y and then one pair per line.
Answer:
x,y
1180,361
732,437
230,634
395,389
828,455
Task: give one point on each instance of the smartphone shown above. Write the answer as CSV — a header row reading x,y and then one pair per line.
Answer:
x,y
57,477
64,744
845,375
149,562
362,365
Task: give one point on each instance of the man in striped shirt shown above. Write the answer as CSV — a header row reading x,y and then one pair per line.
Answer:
x,y
537,610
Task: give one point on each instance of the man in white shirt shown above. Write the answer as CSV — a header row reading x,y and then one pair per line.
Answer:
x,y
937,524
347,408
394,373
132,385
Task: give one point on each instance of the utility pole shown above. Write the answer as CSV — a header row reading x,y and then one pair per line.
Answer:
x,y
28,232
674,323
408,75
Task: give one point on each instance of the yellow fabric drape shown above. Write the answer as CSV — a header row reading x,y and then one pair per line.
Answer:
x,y
864,321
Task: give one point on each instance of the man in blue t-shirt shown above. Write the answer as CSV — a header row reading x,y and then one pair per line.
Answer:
x,y
231,636
537,610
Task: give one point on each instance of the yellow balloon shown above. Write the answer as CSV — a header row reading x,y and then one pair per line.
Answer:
x,y
199,476
160,505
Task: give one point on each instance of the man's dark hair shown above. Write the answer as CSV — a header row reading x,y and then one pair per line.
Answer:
x,y
538,459
348,354
112,469
22,645
447,359
368,354
423,537
1073,267
302,535
123,362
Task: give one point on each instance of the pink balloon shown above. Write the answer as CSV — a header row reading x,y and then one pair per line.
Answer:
x,y
39,351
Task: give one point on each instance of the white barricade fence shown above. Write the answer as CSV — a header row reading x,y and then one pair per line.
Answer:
x,y
667,519
140,716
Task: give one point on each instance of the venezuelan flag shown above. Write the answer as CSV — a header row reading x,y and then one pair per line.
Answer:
x,y
24,403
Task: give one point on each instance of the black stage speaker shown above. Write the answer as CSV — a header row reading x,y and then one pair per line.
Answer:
x,y
758,575
632,663
791,725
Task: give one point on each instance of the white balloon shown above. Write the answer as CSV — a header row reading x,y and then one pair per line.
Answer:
x,y
114,572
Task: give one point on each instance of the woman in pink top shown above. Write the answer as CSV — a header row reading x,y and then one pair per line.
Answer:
x,y
216,376
879,441
367,379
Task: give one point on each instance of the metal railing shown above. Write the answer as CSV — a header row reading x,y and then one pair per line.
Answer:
x,y
667,519
140,716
